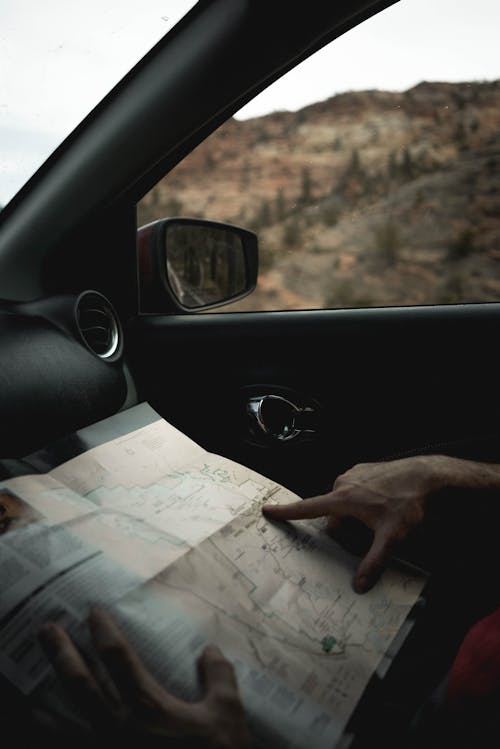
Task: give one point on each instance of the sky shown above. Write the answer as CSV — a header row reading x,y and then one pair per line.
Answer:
x,y
411,41
59,57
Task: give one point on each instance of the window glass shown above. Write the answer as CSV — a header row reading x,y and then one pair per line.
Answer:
x,y
59,59
371,172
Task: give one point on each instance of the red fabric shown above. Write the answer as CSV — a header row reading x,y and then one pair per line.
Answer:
x,y
475,674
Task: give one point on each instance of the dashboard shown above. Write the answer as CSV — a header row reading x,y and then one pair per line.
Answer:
x,y
62,368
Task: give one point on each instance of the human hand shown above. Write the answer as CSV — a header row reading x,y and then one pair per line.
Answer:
x,y
133,702
389,498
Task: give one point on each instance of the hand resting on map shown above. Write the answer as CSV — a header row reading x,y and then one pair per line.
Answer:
x,y
389,498
133,704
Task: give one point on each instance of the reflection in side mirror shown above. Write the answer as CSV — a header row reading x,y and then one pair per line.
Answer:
x,y
191,264
205,262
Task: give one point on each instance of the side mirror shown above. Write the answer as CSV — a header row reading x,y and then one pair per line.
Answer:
x,y
188,264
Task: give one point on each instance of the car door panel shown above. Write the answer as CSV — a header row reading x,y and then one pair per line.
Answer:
x,y
386,381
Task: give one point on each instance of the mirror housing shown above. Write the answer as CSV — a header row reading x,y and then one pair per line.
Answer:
x,y
190,265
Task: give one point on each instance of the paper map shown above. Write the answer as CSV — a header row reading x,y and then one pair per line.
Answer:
x,y
176,537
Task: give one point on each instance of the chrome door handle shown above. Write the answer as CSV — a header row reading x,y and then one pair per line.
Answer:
x,y
279,418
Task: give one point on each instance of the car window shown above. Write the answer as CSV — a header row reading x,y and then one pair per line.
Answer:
x,y
59,59
371,172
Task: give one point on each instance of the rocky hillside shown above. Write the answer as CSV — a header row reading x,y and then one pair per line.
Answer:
x,y
367,198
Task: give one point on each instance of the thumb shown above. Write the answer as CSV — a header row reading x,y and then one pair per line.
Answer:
x,y
372,566
217,672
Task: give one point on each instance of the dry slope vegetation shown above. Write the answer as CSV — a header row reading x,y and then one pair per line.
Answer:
x,y
368,198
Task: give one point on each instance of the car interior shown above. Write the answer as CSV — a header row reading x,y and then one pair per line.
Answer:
x,y
385,381
91,324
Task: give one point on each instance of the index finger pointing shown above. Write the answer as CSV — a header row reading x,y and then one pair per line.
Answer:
x,y
314,507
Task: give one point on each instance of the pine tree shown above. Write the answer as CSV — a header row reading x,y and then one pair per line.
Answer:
x,y
306,186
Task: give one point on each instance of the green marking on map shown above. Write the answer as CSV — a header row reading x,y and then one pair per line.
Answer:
x,y
328,642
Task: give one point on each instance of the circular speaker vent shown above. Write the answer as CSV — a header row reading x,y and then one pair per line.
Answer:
x,y
98,325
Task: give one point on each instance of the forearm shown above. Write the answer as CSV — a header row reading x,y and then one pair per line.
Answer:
x,y
457,473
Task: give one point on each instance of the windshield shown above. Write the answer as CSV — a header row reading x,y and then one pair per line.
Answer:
x,y
59,59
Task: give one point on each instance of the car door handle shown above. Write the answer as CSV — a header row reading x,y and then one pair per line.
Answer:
x,y
279,418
